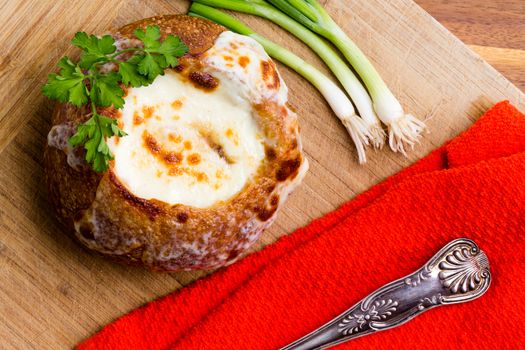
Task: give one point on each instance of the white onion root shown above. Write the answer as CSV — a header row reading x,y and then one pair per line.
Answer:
x,y
359,133
405,130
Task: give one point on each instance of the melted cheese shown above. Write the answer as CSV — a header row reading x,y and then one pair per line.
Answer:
x,y
192,147
243,60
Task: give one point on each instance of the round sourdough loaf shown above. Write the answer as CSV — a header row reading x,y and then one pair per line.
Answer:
x,y
212,152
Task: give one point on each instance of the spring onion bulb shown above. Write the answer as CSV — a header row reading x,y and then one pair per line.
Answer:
x,y
335,97
402,128
331,58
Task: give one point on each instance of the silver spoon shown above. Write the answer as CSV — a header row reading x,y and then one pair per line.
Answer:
x,y
459,272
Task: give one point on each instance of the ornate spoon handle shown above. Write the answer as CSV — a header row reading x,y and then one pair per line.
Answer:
x,y
459,272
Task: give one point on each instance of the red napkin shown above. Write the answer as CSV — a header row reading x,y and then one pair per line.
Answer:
x,y
472,187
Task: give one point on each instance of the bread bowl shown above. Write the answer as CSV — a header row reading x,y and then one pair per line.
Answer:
x,y
212,152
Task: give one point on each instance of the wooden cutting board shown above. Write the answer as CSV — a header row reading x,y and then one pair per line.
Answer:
x,y
53,293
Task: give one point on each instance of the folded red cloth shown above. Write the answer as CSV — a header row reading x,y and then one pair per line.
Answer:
x,y
472,187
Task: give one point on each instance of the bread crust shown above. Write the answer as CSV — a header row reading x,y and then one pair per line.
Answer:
x,y
109,219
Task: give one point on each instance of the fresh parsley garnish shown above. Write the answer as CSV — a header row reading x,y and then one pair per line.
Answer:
x,y
84,82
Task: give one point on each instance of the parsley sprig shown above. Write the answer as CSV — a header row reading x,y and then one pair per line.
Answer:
x,y
84,82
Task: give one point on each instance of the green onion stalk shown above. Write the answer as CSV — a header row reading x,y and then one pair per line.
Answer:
x,y
351,84
335,97
402,128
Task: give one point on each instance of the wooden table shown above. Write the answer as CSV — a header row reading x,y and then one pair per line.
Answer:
x,y
495,29
53,293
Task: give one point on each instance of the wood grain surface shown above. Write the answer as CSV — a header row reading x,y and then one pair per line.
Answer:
x,y
53,293
495,29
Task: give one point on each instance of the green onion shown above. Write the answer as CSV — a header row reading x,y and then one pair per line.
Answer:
x,y
335,97
331,58
403,128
